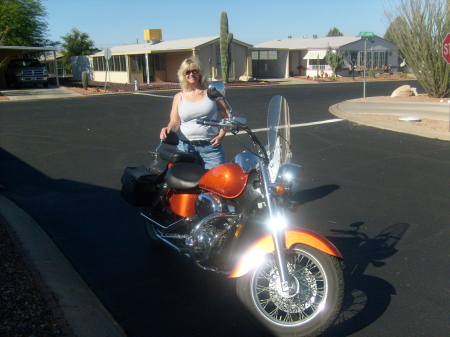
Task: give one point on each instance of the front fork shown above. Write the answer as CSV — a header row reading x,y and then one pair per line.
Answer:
x,y
277,232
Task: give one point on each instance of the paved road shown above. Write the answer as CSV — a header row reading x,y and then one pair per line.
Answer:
x,y
380,196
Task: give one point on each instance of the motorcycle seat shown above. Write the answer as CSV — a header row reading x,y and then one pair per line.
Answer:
x,y
184,176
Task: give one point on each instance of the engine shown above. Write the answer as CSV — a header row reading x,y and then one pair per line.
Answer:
x,y
217,224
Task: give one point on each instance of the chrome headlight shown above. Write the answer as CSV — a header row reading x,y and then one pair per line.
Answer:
x,y
246,160
290,176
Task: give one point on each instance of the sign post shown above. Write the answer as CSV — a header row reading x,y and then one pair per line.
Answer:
x,y
107,53
365,36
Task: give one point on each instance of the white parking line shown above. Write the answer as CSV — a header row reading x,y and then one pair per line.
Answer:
x,y
305,124
141,93
263,129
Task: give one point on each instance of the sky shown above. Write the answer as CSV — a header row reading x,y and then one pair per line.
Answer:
x,y
119,22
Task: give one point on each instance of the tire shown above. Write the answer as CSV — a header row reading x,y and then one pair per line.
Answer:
x,y
312,307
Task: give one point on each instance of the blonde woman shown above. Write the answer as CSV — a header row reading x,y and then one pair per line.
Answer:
x,y
191,103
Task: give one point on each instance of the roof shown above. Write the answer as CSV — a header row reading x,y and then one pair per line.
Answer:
x,y
312,54
164,46
309,43
28,49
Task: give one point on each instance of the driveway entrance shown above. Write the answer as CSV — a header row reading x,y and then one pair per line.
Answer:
x,y
28,93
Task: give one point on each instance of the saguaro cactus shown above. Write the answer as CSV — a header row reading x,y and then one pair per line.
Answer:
x,y
225,41
85,79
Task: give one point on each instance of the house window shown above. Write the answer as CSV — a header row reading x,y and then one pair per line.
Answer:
x,y
136,63
264,55
354,58
313,64
117,63
369,59
99,63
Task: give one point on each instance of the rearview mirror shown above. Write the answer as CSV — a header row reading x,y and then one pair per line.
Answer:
x,y
216,91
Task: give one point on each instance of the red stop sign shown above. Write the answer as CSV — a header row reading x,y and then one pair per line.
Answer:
x,y
446,48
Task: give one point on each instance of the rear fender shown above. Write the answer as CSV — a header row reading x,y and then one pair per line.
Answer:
x,y
264,245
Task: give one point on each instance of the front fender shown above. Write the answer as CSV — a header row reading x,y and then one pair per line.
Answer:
x,y
264,245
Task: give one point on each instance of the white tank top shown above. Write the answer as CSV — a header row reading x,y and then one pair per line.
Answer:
x,y
190,111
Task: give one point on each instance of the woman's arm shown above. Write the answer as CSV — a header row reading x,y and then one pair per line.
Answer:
x,y
223,108
175,121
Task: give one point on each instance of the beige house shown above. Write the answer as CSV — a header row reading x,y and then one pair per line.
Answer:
x,y
158,61
306,56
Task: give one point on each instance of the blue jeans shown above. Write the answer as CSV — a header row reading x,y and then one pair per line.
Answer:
x,y
207,156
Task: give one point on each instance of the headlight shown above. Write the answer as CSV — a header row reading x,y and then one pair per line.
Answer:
x,y
290,176
278,223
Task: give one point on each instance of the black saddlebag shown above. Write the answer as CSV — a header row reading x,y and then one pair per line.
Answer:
x,y
139,185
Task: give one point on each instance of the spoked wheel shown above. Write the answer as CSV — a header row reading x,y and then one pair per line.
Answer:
x,y
313,301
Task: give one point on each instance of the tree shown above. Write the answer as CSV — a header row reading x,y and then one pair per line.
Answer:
x,y
335,59
225,41
389,35
418,27
334,32
22,23
76,43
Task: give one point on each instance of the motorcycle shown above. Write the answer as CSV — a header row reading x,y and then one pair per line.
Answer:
x,y
232,219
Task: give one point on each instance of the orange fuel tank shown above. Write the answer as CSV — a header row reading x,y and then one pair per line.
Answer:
x,y
227,180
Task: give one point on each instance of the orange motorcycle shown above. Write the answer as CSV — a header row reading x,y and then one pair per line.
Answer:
x,y
231,220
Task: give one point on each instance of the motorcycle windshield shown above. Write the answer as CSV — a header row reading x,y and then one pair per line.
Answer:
x,y
278,135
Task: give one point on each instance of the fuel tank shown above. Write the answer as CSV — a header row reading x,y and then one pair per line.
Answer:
x,y
227,180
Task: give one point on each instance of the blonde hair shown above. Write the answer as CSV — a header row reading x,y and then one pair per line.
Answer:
x,y
190,62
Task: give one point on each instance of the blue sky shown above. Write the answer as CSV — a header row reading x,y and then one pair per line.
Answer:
x,y
118,22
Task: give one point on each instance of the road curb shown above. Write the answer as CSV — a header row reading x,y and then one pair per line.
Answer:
x,y
82,310
364,119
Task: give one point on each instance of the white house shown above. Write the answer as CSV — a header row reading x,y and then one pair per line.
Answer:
x,y
158,61
306,56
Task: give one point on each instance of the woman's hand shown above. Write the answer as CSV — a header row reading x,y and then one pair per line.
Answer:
x,y
164,132
216,141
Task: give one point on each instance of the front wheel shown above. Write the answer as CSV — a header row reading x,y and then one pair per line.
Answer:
x,y
311,305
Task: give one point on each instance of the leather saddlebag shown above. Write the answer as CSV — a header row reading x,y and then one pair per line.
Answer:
x,y
139,186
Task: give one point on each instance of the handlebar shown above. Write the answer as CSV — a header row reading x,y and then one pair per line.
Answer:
x,y
226,124
234,125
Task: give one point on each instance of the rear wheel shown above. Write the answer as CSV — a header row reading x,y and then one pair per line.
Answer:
x,y
311,305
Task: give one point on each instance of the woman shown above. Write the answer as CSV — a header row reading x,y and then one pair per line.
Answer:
x,y
191,103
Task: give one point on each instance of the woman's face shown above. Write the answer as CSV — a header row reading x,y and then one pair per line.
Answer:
x,y
192,74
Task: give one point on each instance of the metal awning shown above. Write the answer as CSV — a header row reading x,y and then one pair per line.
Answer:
x,y
312,54
10,51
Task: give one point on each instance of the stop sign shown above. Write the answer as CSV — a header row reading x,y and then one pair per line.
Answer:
x,y
446,48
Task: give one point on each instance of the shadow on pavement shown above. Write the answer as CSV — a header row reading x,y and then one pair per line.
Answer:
x,y
366,297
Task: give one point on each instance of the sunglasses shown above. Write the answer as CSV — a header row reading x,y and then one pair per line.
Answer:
x,y
193,72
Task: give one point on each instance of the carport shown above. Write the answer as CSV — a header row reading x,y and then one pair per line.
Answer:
x,y
10,52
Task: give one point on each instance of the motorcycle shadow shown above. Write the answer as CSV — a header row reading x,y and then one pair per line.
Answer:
x,y
304,196
366,297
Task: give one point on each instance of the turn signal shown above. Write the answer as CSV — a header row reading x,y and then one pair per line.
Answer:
x,y
280,189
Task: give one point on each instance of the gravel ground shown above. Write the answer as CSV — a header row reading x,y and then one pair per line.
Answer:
x,y
27,308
